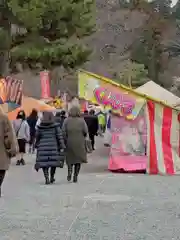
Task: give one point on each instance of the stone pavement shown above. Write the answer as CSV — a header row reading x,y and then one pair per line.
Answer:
x,y
101,206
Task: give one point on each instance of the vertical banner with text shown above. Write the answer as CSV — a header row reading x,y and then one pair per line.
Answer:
x,y
45,84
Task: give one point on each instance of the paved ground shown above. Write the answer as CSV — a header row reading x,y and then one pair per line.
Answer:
x,y
101,206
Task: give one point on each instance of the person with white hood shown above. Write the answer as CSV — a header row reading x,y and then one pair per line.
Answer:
x,y
22,131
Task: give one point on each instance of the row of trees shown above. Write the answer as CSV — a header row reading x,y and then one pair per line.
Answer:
x,y
149,50
44,33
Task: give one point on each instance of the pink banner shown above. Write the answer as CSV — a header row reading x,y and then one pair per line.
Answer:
x,y
128,149
45,85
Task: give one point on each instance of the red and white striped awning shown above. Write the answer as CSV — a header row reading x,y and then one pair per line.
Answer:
x,y
163,139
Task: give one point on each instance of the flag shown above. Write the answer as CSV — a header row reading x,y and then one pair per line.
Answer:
x,y
163,139
45,84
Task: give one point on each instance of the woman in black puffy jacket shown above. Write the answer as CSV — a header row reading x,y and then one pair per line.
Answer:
x,y
50,147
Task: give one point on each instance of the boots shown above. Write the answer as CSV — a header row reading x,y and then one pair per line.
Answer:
x,y
20,162
47,182
75,178
69,173
46,175
77,167
52,173
76,172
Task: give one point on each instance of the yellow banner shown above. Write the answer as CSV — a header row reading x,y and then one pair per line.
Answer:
x,y
104,92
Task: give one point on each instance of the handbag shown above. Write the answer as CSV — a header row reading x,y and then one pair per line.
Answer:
x,y
88,145
62,162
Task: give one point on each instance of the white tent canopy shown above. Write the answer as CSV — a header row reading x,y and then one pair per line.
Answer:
x,y
156,91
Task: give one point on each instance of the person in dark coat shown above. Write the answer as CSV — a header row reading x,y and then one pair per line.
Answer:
x,y
93,126
75,132
86,117
32,120
60,117
50,147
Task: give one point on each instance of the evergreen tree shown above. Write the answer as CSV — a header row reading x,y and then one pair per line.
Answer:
x,y
134,75
50,32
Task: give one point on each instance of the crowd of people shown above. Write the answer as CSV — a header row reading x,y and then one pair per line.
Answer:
x,y
57,139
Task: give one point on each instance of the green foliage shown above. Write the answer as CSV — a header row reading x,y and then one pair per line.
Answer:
x,y
134,75
50,54
52,31
176,11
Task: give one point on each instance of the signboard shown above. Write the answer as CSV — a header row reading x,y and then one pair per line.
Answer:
x,y
102,91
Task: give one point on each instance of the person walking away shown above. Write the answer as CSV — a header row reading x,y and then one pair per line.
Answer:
x,y
102,122
22,132
93,127
75,132
60,117
32,120
87,118
92,124
8,145
50,147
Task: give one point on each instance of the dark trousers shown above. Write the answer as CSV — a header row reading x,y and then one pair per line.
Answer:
x,y
46,172
2,175
32,144
31,147
92,138
77,168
